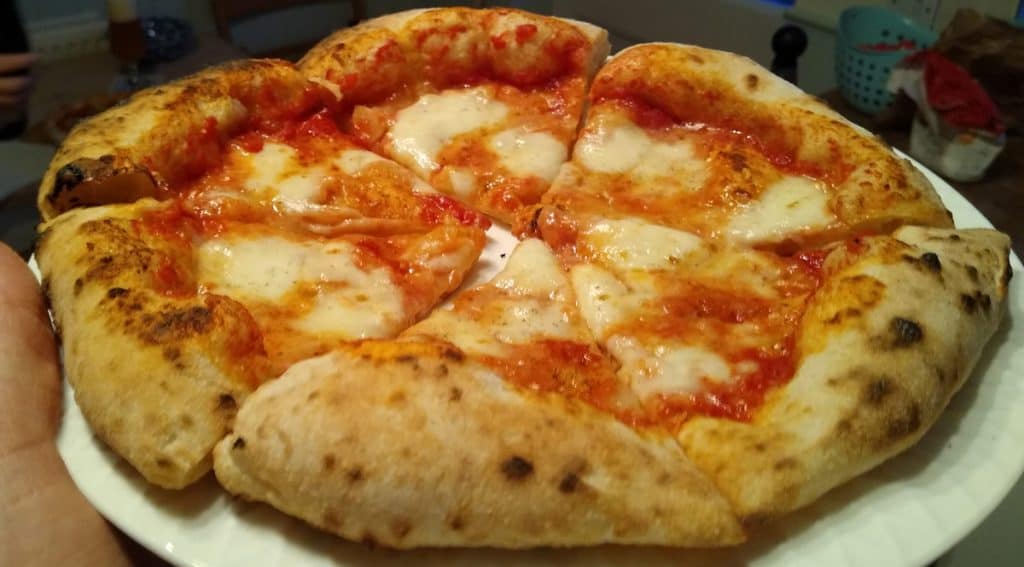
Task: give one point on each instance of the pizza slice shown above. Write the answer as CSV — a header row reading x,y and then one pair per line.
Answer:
x,y
786,375
484,104
250,140
171,134
493,422
711,143
211,307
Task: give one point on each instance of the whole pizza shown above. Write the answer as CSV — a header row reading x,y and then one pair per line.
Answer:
x,y
726,301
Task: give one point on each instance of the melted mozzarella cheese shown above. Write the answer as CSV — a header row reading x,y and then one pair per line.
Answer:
x,y
468,335
349,302
634,244
654,369
613,145
462,180
352,161
276,170
424,128
524,302
522,320
529,154
532,269
603,300
788,206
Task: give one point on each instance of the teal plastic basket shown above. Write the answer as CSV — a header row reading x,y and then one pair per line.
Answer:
x,y
862,73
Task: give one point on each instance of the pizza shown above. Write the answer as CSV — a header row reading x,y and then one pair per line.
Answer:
x,y
726,299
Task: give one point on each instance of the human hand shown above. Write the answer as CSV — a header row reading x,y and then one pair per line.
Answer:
x,y
14,90
44,520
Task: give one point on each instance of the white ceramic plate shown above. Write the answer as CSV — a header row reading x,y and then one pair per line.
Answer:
x,y
906,512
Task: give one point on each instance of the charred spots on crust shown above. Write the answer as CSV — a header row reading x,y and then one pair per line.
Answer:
x,y
115,292
406,359
738,162
785,463
454,394
328,462
878,390
78,285
163,463
931,261
453,354
456,522
534,224
971,302
968,303
905,332
331,519
172,353
843,314
972,272
955,238
569,483
238,444
984,300
369,540
751,81
226,402
571,480
906,424
442,370
400,528
354,474
516,468
67,177
178,324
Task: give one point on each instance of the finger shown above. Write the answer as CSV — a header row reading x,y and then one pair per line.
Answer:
x,y
15,85
10,62
29,376
23,317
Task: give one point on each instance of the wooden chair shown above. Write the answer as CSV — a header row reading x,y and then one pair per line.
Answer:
x,y
229,12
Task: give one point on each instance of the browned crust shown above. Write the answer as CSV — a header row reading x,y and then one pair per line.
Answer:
x,y
695,84
386,55
155,138
885,343
408,444
152,374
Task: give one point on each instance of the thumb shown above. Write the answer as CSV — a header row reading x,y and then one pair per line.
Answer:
x,y
29,377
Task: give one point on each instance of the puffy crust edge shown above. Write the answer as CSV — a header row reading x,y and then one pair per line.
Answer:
x,y
362,49
409,444
132,150
728,90
149,371
886,342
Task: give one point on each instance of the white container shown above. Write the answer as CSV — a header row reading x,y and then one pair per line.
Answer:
x,y
957,154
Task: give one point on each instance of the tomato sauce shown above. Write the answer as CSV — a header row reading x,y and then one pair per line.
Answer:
x,y
438,207
572,369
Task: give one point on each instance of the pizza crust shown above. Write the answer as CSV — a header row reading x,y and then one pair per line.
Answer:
x,y
385,55
137,148
150,372
332,442
892,334
726,90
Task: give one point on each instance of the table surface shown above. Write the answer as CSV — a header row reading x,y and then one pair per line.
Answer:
x,y
999,196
